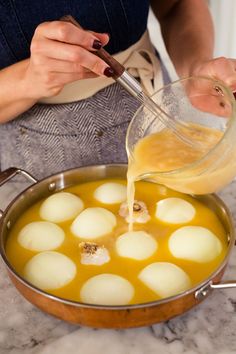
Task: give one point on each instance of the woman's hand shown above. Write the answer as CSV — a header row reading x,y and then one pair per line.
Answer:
x,y
222,68
207,96
62,53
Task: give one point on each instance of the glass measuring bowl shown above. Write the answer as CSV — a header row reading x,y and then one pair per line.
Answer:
x,y
196,102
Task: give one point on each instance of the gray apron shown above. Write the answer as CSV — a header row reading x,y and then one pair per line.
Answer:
x,y
51,138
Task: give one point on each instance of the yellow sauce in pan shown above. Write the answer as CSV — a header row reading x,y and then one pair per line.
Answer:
x,y
148,192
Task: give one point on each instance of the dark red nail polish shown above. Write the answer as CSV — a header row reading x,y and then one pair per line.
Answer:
x,y
97,44
109,72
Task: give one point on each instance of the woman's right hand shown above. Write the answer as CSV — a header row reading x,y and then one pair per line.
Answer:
x,y
62,53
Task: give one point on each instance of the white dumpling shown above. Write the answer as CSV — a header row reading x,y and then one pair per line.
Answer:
x,y
195,243
107,289
93,223
165,279
174,210
138,245
61,207
41,236
50,270
111,193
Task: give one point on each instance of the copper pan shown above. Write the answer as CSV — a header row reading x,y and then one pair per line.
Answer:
x,y
94,315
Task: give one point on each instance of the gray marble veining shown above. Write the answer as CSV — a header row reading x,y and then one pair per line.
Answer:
x,y
207,329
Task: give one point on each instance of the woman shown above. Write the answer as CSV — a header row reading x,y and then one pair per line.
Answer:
x,y
55,113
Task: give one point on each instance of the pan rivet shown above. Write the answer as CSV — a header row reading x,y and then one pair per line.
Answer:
x,y
8,224
52,186
200,294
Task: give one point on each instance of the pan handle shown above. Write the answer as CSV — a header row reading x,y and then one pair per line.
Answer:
x,y
201,293
11,172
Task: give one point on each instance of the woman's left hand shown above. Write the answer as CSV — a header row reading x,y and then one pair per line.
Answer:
x,y
203,95
221,68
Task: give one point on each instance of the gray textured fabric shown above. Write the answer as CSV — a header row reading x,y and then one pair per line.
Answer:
x,y
52,138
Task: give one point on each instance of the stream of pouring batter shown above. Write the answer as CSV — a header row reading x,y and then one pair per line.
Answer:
x,y
162,152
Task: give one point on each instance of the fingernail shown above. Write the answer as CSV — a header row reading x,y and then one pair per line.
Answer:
x,y
97,44
109,72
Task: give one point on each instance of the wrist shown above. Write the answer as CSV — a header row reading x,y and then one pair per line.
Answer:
x,y
194,67
28,88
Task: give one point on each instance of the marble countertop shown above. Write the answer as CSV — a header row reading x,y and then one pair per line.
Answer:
x,y
207,329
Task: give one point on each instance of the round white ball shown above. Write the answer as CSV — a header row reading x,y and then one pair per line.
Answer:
x,y
165,279
41,236
93,223
50,270
195,243
174,211
107,289
61,207
138,245
110,193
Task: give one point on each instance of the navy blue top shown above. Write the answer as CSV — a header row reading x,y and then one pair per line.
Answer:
x,y
125,20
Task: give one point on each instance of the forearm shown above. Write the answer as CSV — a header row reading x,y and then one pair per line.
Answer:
x,y
188,34
14,94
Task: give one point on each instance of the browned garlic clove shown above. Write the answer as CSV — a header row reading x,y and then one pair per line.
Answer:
x,y
93,254
140,212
